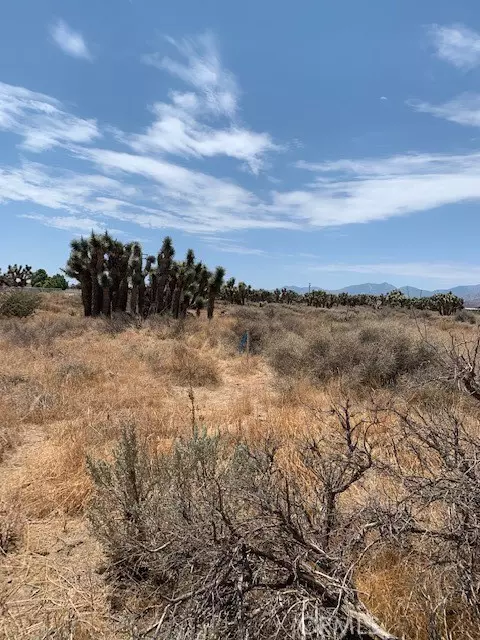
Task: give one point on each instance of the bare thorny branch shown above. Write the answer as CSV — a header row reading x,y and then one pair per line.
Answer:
x,y
254,550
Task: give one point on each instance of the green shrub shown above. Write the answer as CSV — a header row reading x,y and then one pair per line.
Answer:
x,y
18,304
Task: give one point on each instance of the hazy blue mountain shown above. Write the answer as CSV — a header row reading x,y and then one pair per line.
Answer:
x,y
368,287
470,293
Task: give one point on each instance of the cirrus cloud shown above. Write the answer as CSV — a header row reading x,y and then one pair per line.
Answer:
x,y
457,45
70,42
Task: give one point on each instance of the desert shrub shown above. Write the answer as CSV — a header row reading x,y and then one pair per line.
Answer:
x,y
18,304
40,331
263,324
74,371
60,303
11,526
119,322
466,316
372,355
233,544
433,520
287,357
184,365
10,432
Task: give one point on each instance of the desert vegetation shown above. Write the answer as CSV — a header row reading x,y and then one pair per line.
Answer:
x,y
445,303
114,277
157,483
23,276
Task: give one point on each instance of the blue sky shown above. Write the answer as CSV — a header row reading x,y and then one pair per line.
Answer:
x,y
325,142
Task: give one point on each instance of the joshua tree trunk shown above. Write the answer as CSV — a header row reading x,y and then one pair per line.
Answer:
x,y
176,301
96,296
106,301
169,298
184,304
215,286
122,295
141,298
86,285
160,296
210,306
134,299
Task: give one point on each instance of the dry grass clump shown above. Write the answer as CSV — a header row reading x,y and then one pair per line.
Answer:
x,y
10,429
41,330
65,303
11,526
466,316
369,355
183,365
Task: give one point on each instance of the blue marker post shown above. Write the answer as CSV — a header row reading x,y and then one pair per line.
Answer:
x,y
244,345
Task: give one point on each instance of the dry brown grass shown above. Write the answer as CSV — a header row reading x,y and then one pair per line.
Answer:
x,y
68,385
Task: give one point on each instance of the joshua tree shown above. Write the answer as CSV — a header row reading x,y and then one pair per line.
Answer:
x,y
162,274
117,264
77,268
135,273
199,305
109,270
242,292
214,288
106,284
16,276
96,264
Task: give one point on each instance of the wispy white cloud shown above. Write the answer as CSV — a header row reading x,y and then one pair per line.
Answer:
x,y
188,199
70,42
456,44
68,223
365,190
226,245
57,189
448,272
41,120
202,69
465,109
147,187
184,126
158,194
177,131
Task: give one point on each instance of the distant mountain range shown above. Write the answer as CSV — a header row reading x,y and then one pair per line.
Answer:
x,y
470,293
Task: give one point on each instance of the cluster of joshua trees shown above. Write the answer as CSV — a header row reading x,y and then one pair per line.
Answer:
x,y
116,277
445,303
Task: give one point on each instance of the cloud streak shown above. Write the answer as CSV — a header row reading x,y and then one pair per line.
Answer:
x,y
465,109
41,120
68,223
453,273
183,126
457,45
201,68
70,42
366,190
144,182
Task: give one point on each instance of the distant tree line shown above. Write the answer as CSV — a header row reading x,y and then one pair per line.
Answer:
x,y
23,276
444,303
117,277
